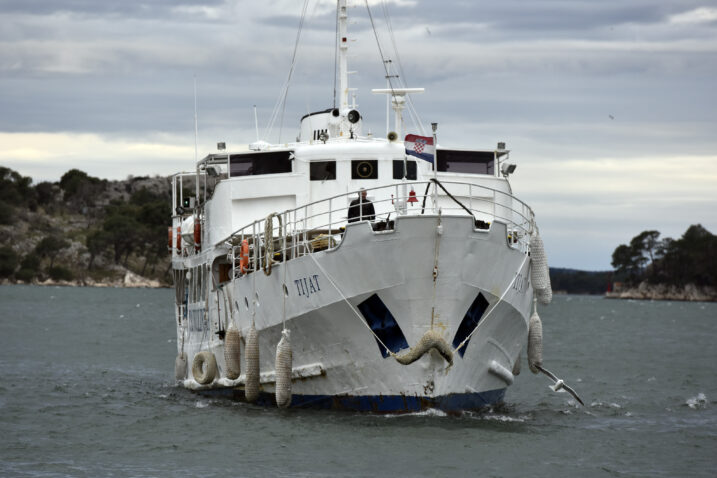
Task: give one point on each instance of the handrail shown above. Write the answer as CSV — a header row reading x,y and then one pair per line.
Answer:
x,y
310,228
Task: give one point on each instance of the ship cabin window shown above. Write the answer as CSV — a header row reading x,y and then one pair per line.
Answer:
x,y
254,164
322,170
410,169
466,162
364,169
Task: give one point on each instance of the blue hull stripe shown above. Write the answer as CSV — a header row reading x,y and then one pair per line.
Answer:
x,y
456,402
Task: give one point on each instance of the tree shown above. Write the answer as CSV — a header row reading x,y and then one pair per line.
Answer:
x,y
97,242
8,261
7,213
626,262
80,189
691,259
646,243
29,267
45,192
153,216
123,230
15,188
50,247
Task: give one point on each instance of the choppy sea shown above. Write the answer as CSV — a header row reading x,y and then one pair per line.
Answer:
x,y
86,390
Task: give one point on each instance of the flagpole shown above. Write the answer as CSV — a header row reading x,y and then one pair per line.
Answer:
x,y
434,126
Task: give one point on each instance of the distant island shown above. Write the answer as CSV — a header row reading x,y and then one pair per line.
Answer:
x,y
667,269
83,230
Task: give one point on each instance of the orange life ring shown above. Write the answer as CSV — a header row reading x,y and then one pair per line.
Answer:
x,y
244,256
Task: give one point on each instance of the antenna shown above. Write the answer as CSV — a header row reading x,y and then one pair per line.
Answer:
x,y
196,135
196,127
343,55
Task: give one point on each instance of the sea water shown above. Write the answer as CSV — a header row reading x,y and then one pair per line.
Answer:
x,y
86,390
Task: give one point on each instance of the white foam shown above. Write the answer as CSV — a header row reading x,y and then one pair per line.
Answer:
x,y
504,418
700,401
201,404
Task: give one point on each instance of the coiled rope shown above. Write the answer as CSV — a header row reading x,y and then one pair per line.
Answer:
x,y
269,240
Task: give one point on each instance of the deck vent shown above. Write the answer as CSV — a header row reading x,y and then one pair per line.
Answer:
x,y
383,324
469,322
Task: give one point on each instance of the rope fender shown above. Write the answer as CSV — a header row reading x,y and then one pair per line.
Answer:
x,y
430,340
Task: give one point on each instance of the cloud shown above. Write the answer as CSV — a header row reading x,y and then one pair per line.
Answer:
x,y
108,88
696,16
46,156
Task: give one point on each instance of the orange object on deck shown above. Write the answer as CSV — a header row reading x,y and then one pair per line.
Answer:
x,y
197,233
244,256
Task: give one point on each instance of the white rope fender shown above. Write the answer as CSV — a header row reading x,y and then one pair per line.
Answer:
x,y
539,271
535,341
180,366
251,386
283,366
232,352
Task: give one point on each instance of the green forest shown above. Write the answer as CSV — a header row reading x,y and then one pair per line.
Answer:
x,y
691,259
83,227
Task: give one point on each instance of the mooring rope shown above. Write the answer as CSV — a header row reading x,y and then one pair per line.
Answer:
x,y
431,339
483,320
353,309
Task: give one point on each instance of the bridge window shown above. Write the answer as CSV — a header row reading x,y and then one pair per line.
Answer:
x,y
253,164
322,170
398,169
470,162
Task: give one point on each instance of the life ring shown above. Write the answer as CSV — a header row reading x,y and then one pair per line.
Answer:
x,y
244,256
204,367
364,169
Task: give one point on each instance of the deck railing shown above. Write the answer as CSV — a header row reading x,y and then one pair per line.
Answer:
x,y
320,225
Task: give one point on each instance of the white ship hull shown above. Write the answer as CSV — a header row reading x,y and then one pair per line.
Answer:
x,y
338,361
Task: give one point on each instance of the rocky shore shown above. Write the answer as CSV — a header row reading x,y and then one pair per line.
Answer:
x,y
129,280
645,291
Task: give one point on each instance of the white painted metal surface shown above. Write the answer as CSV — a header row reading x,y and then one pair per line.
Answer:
x,y
438,245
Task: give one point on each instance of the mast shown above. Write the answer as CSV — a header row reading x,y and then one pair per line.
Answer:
x,y
343,54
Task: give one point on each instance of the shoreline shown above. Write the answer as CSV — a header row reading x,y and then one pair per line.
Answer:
x,y
686,293
129,281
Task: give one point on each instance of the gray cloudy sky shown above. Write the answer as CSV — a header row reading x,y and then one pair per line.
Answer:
x,y
609,107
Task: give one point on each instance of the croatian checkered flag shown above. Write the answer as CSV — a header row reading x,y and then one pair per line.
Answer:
x,y
420,147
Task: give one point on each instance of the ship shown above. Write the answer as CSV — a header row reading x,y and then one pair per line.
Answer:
x,y
352,271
